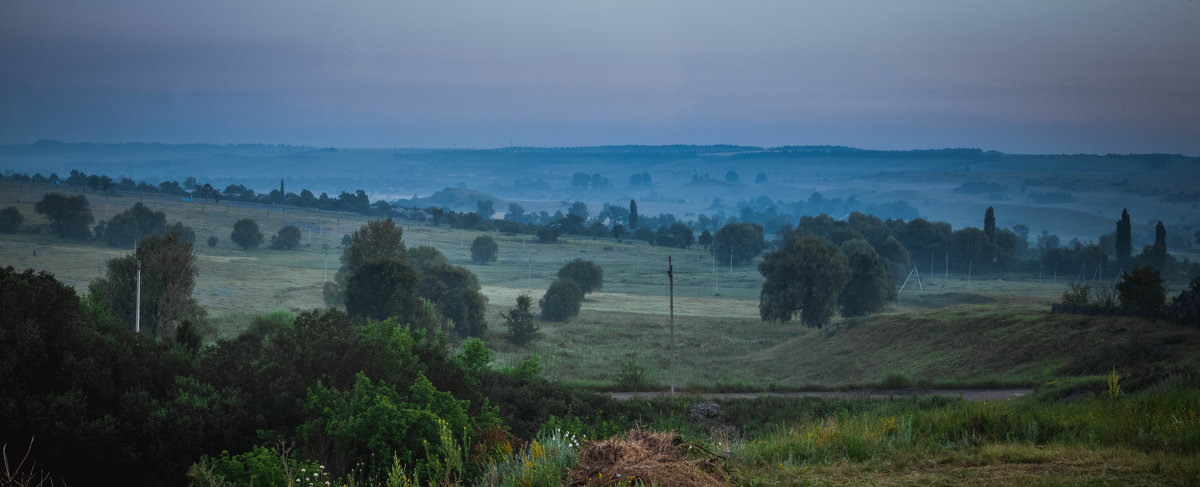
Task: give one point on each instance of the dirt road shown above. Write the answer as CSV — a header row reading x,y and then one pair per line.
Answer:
x,y
966,394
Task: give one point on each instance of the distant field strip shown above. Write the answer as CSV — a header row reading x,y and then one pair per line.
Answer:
x,y
641,304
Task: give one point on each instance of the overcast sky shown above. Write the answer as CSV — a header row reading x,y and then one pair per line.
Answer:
x,y
1091,76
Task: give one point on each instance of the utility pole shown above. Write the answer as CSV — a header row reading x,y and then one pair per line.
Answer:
x,y
137,316
716,283
671,279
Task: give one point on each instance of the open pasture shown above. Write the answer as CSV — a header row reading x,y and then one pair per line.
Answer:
x,y
720,341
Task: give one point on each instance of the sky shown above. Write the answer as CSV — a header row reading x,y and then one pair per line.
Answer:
x,y
1069,76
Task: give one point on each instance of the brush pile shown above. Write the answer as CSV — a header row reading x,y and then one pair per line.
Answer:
x,y
647,457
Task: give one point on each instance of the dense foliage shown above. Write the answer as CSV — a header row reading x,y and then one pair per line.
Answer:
x,y
70,216
168,273
246,234
287,238
483,249
584,273
805,277
561,301
10,220
520,321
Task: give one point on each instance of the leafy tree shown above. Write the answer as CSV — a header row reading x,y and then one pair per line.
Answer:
x,y
483,249
989,224
212,241
168,278
618,232
377,239
970,248
456,293
1124,238
515,213
70,216
562,300
129,227
805,276
731,176
745,240
424,257
896,255
677,235
1142,289
1006,249
246,234
584,273
485,208
706,239
381,288
548,233
633,215
288,238
579,209
520,321
870,286
761,178
10,220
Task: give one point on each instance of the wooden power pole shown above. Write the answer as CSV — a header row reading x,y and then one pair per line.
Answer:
x,y
671,279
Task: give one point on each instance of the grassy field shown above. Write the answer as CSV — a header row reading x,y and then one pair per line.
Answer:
x,y
932,334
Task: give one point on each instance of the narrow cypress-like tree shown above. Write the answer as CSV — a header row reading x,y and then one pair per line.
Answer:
x,y
1124,238
633,216
989,224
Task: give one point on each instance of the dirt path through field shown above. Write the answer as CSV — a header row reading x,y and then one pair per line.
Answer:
x,y
966,394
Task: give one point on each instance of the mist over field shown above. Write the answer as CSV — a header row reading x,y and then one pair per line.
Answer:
x,y
604,243
1073,196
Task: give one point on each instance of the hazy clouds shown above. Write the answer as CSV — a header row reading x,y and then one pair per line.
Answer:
x,y
1079,76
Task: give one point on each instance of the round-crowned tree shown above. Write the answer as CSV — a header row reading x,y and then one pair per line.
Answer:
x,y
212,241
805,276
483,249
10,220
561,301
382,288
246,234
584,273
288,238
870,286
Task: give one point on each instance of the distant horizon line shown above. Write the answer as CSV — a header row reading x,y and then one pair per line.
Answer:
x,y
740,147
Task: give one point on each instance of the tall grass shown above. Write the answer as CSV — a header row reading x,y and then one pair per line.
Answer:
x,y
1160,421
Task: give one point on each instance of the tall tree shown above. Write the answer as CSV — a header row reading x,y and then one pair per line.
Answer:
x,y
989,224
520,321
70,216
805,276
377,239
129,227
633,215
168,278
1124,238
870,286
381,288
